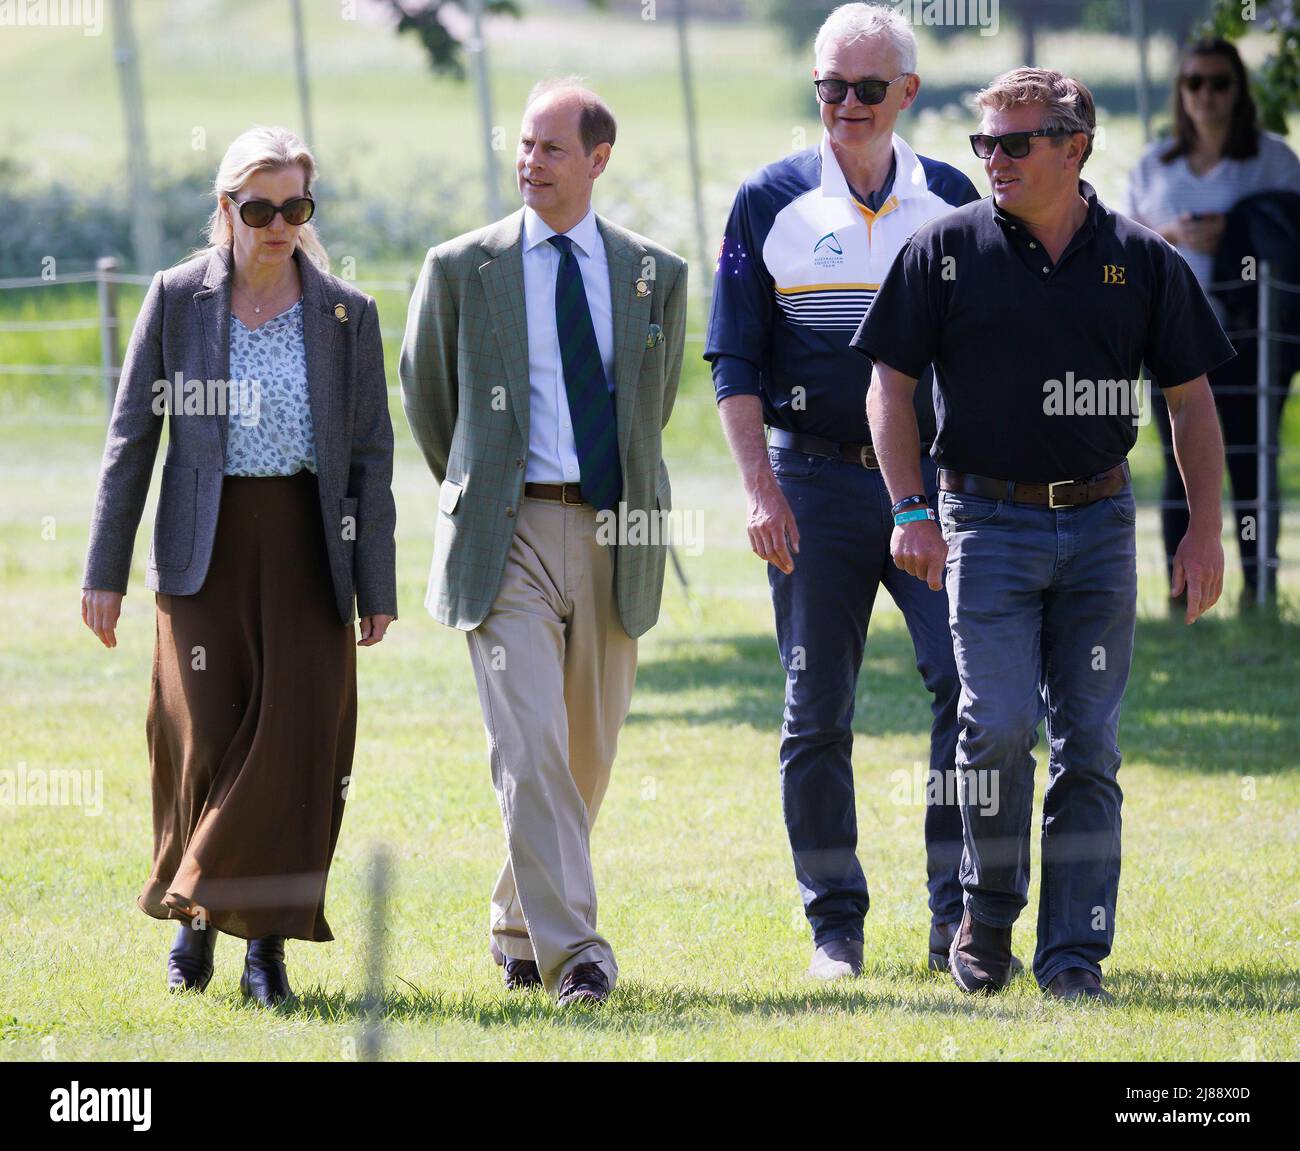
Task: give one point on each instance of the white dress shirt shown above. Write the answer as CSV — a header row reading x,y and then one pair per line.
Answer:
x,y
552,456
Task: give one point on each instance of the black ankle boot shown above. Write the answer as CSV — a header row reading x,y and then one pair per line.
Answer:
x,y
265,978
189,966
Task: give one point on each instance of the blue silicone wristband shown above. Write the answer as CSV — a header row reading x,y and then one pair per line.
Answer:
x,y
914,515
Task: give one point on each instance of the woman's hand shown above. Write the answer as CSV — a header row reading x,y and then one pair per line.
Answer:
x,y
1201,234
373,628
100,611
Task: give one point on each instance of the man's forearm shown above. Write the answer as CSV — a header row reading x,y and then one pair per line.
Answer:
x,y
894,433
1198,448
742,423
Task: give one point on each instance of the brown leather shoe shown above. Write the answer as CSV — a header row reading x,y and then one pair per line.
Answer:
x,y
583,983
941,943
521,974
980,958
1078,983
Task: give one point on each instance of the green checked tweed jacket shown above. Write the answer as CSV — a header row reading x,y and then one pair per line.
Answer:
x,y
465,389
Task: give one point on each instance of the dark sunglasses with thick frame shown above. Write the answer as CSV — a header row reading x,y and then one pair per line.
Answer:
x,y
260,213
867,91
1218,82
1014,144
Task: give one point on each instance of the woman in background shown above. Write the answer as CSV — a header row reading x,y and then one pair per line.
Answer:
x,y
1183,188
275,513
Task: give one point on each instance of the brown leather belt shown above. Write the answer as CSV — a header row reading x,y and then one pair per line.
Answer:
x,y
1058,494
863,454
561,493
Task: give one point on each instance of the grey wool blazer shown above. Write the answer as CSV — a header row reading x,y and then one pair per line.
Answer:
x,y
465,390
183,329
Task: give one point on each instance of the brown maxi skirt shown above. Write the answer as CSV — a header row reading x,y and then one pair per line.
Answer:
x,y
252,722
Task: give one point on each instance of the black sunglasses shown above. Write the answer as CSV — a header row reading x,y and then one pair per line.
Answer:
x,y
867,91
1194,80
1014,144
259,213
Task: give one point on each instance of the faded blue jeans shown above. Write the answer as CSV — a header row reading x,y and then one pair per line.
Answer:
x,y
1043,606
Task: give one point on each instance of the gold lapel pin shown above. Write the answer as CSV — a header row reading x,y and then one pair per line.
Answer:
x,y
642,288
340,313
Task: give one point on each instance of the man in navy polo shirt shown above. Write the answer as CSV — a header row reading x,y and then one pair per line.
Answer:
x,y
1037,309
809,240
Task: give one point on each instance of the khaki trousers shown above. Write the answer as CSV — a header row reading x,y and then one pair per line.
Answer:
x,y
555,671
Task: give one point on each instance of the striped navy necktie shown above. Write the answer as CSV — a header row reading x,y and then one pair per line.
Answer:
x,y
591,407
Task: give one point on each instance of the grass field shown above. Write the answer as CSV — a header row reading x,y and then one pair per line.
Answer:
x,y
690,853
690,850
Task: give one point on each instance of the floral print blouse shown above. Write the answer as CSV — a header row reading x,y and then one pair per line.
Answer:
x,y
268,427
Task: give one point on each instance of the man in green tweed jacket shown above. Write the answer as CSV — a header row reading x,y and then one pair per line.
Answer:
x,y
539,368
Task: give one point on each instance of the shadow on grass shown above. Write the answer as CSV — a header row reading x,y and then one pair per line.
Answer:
x,y
685,1008
1219,696
738,679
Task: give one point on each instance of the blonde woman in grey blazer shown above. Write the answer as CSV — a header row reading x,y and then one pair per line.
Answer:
x,y
275,516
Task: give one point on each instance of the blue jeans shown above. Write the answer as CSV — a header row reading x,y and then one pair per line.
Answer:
x,y
822,612
1044,605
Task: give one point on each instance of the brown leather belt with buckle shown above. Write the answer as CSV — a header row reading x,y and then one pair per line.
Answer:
x,y
1058,494
561,493
863,454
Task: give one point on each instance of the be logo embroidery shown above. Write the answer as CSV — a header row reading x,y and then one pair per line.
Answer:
x,y
1112,273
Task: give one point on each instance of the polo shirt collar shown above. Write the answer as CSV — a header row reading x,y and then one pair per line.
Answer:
x,y
1096,209
909,176
584,234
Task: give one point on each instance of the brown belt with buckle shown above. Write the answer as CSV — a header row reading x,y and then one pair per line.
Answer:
x,y
561,493
863,454
1059,494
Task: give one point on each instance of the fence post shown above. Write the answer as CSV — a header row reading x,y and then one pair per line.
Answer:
x,y
105,266
1264,439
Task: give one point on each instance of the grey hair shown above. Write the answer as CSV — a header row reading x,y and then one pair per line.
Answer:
x,y
850,23
1067,103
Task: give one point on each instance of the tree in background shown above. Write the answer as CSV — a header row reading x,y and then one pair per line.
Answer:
x,y
1275,84
445,49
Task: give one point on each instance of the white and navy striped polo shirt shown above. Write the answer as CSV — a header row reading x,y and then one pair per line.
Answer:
x,y
800,263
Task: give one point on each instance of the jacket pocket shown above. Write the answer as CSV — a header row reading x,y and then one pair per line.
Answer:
x,y
449,496
173,531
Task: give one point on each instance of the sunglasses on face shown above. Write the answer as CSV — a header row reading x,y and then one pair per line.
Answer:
x,y
1014,144
259,213
867,91
1219,82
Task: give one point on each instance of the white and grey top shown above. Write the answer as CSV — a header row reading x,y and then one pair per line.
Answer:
x,y
272,435
1158,193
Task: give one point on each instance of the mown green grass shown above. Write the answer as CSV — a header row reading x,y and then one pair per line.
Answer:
x,y
690,850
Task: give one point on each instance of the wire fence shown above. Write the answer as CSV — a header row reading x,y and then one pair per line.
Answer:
x,y
1265,333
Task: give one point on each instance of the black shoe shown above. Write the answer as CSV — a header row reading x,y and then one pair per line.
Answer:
x,y
189,966
941,943
265,978
980,958
583,983
1078,983
521,974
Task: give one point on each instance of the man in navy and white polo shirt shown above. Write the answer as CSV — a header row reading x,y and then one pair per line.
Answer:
x,y
809,239
1037,309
